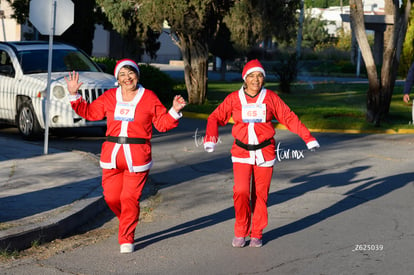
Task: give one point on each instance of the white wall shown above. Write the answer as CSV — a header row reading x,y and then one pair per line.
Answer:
x,y
9,29
168,50
100,43
332,14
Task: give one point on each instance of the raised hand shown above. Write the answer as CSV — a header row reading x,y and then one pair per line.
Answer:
x,y
178,103
73,83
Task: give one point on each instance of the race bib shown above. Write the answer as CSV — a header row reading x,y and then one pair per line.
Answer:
x,y
124,111
254,113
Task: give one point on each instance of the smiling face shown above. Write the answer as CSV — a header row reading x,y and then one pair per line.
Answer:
x,y
128,78
254,82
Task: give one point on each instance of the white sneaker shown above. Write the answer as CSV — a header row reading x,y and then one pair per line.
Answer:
x,y
127,248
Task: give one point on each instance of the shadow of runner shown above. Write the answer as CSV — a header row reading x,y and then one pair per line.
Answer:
x,y
187,227
311,182
28,204
191,171
370,190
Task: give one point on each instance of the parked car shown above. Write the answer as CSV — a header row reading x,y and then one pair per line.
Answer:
x,y
23,84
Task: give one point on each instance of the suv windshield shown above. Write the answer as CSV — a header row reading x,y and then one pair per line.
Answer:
x,y
35,61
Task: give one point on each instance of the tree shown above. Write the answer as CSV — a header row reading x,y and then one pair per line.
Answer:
x,y
407,54
121,16
82,31
222,47
251,22
314,31
380,87
194,26
20,9
325,3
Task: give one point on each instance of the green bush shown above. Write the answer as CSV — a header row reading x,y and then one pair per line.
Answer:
x,y
107,64
151,78
407,54
286,72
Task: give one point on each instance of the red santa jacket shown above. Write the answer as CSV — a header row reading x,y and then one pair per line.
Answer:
x,y
231,107
148,111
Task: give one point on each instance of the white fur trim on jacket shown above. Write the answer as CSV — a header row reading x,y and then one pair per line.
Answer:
x,y
251,161
255,156
209,146
312,144
174,114
74,97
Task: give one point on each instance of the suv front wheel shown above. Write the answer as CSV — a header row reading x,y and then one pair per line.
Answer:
x,y
27,122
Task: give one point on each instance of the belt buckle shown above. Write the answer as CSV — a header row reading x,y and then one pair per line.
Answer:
x,y
251,147
122,140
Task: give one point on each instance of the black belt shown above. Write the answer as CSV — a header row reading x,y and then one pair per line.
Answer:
x,y
251,147
126,140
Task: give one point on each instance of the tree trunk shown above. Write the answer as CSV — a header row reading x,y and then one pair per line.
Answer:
x,y
195,57
373,93
223,70
380,90
392,53
389,66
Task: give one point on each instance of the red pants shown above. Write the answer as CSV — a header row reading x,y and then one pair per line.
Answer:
x,y
250,210
122,191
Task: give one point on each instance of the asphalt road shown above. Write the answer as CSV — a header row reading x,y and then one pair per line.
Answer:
x,y
344,209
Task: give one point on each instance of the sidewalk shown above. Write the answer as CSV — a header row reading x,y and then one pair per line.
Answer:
x,y
44,197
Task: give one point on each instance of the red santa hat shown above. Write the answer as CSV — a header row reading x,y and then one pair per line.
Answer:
x,y
123,62
252,66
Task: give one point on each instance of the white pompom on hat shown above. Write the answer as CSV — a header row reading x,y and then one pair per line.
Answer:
x,y
252,66
123,62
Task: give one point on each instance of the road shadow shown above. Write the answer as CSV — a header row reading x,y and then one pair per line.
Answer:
x,y
369,189
189,172
31,203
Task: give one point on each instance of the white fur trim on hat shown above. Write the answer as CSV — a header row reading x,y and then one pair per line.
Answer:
x,y
252,66
123,63
254,69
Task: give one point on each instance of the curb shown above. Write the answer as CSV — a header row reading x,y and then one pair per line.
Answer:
x,y
62,221
56,223
23,237
344,131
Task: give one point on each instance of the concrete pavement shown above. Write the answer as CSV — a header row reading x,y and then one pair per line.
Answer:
x,y
43,197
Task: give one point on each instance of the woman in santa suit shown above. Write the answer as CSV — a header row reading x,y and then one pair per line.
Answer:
x,y
131,111
253,152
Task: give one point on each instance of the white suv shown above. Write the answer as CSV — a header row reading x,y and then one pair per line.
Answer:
x,y
23,83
